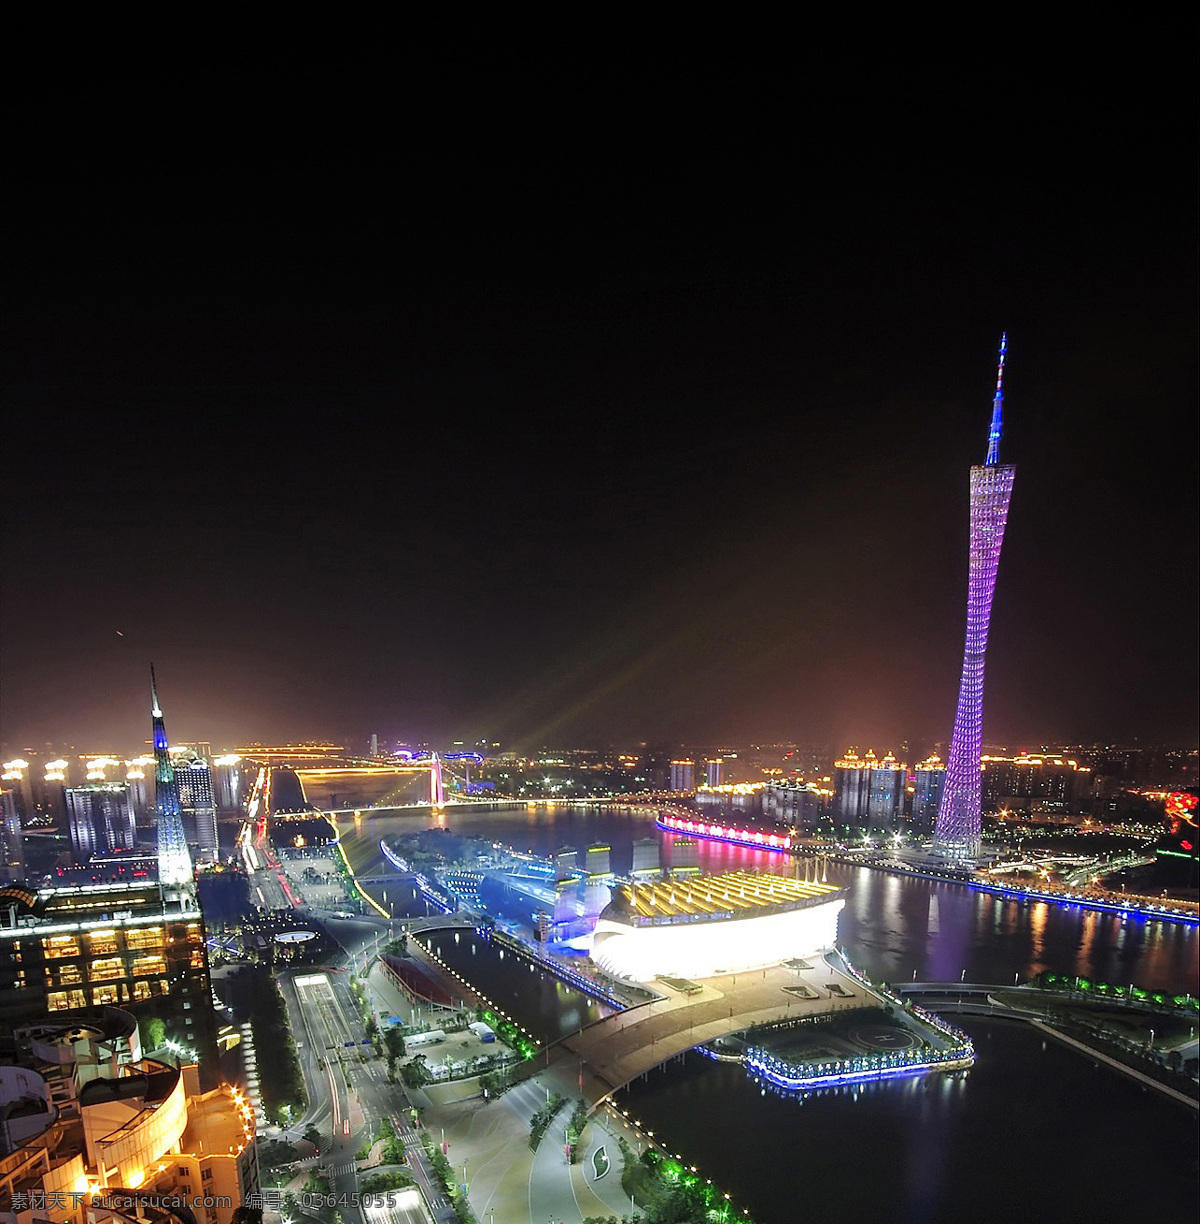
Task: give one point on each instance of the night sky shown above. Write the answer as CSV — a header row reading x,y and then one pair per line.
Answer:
x,y
633,412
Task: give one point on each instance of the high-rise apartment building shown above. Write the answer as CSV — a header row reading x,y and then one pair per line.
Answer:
x,y
12,852
1046,781
683,776
852,787
99,820
885,793
714,769
930,777
957,832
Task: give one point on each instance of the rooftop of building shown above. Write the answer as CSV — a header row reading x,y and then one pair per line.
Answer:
x,y
220,1122
735,894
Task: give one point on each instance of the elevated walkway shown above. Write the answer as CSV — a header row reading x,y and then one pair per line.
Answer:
x,y
619,1048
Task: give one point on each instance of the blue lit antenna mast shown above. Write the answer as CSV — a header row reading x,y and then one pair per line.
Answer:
x,y
993,455
957,834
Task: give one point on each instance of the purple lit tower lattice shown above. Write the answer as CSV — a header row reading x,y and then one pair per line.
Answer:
x,y
957,833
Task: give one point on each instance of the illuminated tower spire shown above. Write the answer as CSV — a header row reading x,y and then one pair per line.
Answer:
x,y
957,832
174,861
993,454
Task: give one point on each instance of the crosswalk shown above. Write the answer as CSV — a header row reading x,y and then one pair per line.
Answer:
x,y
338,1170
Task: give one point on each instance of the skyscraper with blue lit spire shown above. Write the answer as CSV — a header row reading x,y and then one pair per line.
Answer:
x,y
957,832
174,861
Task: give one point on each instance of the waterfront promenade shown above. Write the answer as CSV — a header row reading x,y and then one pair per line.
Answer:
x,y
490,1139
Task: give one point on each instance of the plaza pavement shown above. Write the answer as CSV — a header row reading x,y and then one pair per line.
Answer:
x,y
509,1183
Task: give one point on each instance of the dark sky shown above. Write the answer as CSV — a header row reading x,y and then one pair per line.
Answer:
x,y
630,412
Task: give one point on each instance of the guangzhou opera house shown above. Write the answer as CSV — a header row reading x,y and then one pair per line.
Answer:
x,y
707,925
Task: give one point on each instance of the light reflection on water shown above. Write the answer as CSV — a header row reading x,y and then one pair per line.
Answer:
x,y
892,925
1021,1136
1031,1119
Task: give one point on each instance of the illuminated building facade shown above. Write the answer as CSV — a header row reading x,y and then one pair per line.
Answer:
x,y
99,819
714,768
98,1122
852,787
683,775
1042,781
707,925
793,803
227,782
885,793
67,951
929,778
15,776
12,856
197,802
957,831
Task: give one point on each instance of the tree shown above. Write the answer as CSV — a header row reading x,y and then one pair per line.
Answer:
x,y
153,1032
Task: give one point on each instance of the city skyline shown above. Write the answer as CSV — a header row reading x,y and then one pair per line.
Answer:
x,y
581,462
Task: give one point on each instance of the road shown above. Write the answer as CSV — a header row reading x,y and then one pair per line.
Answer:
x,y
349,1091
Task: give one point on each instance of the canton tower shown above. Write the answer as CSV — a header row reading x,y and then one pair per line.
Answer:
x,y
957,832
174,861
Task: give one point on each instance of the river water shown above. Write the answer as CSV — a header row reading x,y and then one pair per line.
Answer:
x,y
1034,1130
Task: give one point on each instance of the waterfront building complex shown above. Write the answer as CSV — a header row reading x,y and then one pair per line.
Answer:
x,y
957,831
705,925
867,790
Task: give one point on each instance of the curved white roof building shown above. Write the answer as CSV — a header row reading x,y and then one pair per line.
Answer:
x,y
707,925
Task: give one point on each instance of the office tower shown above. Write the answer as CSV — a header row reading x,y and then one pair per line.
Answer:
x,y
174,861
957,833
713,769
197,802
683,775
930,776
885,793
100,820
792,803
12,856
